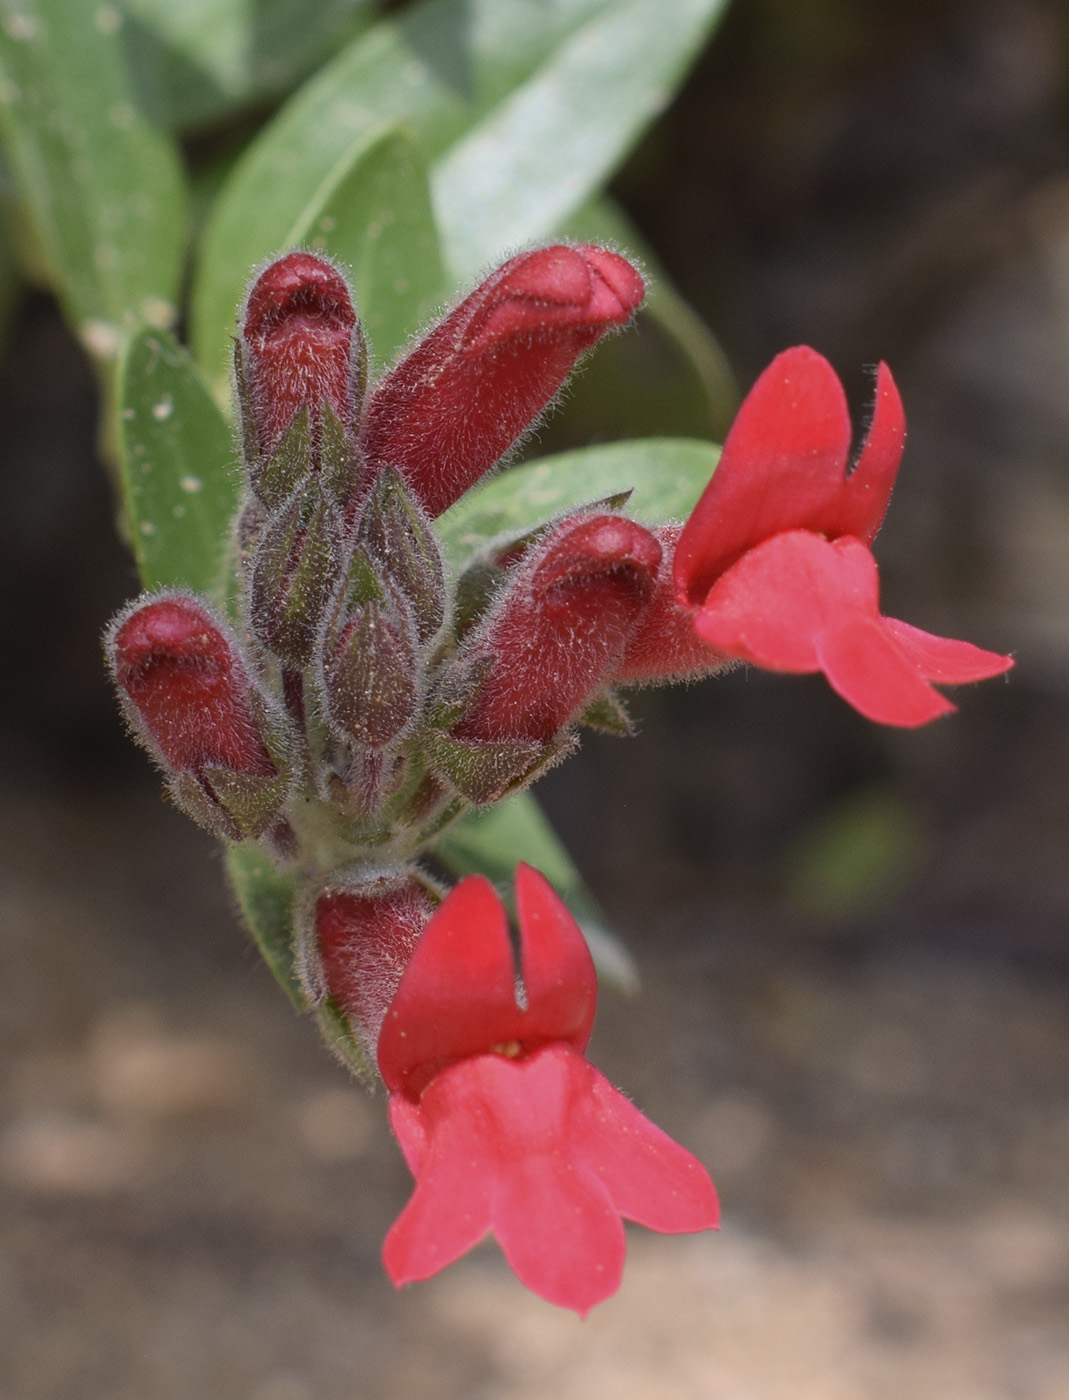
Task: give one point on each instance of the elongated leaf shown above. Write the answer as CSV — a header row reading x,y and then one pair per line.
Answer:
x,y
377,220
543,151
268,900
492,841
603,221
665,475
103,188
198,60
177,469
439,67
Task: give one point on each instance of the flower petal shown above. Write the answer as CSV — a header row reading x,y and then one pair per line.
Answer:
x,y
862,663
650,1178
449,1210
457,996
799,603
558,971
868,487
560,1232
943,659
783,468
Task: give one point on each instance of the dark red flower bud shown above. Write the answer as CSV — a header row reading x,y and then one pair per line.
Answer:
x,y
189,698
301,348
558,630
185,678
364,934
449,410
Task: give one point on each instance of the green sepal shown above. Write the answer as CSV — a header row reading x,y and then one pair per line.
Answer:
x,y
338,465
485,773
276,479
606,714
294,572
252,803
395,531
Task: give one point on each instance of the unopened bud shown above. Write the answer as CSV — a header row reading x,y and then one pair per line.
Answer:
x,y
369,671
293,574
558,630
453,406
364,932
301,356
396,534
189,698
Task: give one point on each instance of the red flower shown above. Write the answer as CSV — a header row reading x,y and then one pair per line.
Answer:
x,y
774,563
505,1124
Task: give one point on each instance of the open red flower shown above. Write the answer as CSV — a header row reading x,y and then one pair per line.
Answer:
x,y
504,1123
774,563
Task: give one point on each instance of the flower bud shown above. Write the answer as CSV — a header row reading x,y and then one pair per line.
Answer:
x,y
190,701
397,536
294,572
369,668
557,631
300,368
541,654
449,410
363,936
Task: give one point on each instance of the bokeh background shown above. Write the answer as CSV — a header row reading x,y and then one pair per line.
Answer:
x,y
853,942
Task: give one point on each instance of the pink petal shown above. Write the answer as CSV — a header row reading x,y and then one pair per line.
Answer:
x,y
868,487
458,994
558,972
560,1232
944,660
870,672
782,468
799,603
449,1210
650,1178
771,606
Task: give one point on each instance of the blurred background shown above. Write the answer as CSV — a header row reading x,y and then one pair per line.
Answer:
x,y
853,942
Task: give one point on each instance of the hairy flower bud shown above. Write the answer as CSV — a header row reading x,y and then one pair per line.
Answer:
x,y
395,533
449,410
542,653
363,936
300,367
293,574
189,698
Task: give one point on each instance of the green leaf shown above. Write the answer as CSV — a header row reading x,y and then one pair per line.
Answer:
x,y
490,842
439,67
666,475
196,61
376,218
103,187
543,151
268,901
176,457
602,221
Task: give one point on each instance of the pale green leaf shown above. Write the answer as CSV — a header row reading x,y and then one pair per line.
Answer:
x,y
376,219
545,149
268,901
196,61
103,188
665,475
439,67
176,459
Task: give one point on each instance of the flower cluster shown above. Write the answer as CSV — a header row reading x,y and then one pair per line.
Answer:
x,y
358,700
